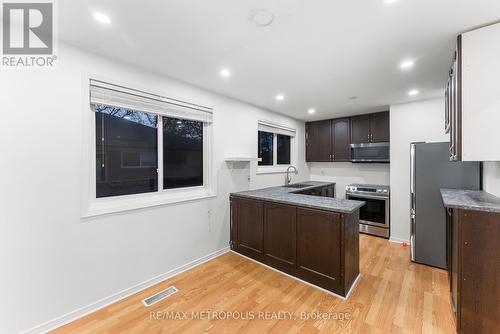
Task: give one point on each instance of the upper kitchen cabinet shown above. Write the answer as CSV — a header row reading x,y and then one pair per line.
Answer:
x,y
319,141
360,129
341,142
328,140
473,96
379,127
372,128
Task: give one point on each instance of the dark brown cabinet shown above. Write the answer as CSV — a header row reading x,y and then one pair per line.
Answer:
x,y
371,128
341,139
248,233
379,127
319,141
320,247
279,236
360,129
473,261
330,140
318,254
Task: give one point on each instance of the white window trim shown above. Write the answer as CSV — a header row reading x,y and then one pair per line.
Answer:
x,y
275,168
92,206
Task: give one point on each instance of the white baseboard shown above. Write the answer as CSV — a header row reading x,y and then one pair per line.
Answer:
x,y
83,311
305,282
399,241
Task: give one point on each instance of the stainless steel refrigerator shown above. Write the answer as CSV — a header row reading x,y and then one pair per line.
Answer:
x,y
430,171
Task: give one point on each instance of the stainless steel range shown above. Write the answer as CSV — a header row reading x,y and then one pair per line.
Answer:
x,y
374,216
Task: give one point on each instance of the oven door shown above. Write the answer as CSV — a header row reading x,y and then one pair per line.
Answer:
x,y
375,212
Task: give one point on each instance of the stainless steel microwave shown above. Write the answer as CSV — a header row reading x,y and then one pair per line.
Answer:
x,y
370,152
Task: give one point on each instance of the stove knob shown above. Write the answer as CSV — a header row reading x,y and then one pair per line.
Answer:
x,y
379,190
385,191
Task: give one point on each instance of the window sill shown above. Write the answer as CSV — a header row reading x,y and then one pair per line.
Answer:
x,y
272,169
105,206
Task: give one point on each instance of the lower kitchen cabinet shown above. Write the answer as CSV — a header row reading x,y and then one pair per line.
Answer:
x,y
248,214
318,251
279,236
318,246
473,261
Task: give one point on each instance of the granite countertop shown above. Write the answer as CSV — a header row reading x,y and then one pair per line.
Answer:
x,y
288,196
470,200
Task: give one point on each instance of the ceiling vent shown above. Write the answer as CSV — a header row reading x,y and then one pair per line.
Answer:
x,y
262,17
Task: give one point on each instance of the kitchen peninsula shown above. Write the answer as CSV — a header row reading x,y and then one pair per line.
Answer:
x,y
296,230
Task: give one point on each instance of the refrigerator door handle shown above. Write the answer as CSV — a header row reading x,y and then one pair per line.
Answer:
x,y
412,202
412,168
412,238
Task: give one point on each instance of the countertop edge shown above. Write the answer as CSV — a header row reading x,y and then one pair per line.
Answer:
x,y
316,207
492,206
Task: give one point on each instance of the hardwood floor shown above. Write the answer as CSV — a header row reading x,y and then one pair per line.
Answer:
x,y
393,295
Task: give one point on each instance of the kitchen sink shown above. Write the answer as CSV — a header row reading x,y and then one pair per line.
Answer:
x,y
299,185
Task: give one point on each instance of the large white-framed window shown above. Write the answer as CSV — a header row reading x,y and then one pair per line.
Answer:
x,y
276,147
146,149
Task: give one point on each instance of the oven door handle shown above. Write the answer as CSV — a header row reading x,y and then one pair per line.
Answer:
x,y
384,198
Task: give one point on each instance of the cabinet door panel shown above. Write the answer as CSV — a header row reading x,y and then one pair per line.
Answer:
x,y
279,236
449,242
319,141
250,228
379,127
479,263
360,129
341,139
454,264
233,224
318,248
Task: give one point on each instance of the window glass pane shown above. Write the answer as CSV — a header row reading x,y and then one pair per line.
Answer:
x,y
265,148
126,152
182,153
283,148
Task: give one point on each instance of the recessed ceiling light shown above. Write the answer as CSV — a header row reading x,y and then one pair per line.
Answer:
x,y
413,92
280,97
311,111
102,18
225,73
406,64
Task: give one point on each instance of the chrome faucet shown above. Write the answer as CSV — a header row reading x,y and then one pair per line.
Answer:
x,y
288,179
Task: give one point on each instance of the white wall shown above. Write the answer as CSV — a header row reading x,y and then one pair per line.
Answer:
x,y
52,262
491,177
345,173
411,122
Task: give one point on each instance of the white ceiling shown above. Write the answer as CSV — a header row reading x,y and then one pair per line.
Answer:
x,y
316,52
